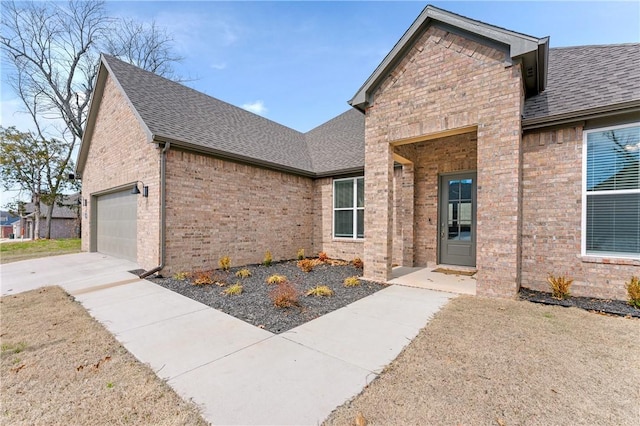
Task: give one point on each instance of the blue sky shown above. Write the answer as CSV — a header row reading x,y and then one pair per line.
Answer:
x,y
298,63
304,60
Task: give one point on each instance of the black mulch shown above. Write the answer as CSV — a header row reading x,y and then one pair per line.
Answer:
x,y
255,306
606,306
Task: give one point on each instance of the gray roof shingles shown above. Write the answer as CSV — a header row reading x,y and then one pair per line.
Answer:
x,y
338,144
579,79
583,78
177,112
64,209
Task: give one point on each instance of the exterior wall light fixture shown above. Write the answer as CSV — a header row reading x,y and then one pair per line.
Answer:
x,y
145,189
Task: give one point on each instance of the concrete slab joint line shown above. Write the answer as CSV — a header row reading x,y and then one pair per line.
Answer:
x,y
104,286
226,365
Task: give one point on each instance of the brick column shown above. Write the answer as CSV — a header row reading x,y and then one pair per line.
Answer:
x,y
498,244
378,222
407,214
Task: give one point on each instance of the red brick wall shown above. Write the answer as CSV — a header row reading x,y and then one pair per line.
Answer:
x,y
120,155
219,208
552,212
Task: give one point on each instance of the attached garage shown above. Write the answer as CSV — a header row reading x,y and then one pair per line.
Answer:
x,y
116,224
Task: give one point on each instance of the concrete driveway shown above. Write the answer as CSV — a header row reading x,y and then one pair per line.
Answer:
x,y
238,373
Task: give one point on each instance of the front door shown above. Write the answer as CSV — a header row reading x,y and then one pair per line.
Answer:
x,y
458,219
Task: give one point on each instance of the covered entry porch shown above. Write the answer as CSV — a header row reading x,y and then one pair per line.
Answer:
x,y
435,202
451,279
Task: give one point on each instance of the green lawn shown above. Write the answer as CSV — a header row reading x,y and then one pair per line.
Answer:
x,y
23,250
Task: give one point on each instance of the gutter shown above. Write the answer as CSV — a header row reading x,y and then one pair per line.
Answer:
x,y
573,116
225,155
163,212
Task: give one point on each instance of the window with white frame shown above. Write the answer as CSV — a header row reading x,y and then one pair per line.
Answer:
x,y
611,195
348,208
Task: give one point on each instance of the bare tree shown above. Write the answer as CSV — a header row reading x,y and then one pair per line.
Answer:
x,y
52,52
146,46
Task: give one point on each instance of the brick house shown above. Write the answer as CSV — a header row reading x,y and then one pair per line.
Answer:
x,y
469,145
7,221
64,220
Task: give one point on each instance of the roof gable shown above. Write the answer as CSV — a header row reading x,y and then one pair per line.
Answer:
x,y
188,118
531,51
171,112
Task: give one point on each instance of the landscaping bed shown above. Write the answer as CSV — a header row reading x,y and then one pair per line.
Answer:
x,y
607,306
255,306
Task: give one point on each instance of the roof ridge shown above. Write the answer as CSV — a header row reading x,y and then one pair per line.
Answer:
x,y
111,57
430,6
296,139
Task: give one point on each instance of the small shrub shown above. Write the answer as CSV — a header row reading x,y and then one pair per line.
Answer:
x,y
322,256
233,290
633,291
267,259
300,254
276,279
358,263
225,263
181,276
306,265
284,295
202,278
351,282
320,290
560,286
243,273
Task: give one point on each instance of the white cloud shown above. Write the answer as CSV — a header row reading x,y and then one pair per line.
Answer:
x,y
256,107
219,66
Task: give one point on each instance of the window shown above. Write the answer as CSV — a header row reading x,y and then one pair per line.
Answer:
x,y
611,196
348,208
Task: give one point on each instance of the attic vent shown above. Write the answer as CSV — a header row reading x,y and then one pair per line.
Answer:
x,y
530,72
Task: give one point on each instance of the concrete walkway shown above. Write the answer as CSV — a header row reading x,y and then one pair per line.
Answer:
x,y
428,278
238,373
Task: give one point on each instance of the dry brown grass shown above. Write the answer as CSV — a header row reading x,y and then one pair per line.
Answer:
x,y
60,366
504,362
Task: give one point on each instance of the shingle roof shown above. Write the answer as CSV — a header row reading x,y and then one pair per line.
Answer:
x,y
580,79
8,222
338,144
173,111
62,210
584,78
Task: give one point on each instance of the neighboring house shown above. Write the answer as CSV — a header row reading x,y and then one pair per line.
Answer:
x,y
469,145
64,221
7,220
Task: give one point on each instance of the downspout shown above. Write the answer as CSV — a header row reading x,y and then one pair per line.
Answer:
x,y
163,215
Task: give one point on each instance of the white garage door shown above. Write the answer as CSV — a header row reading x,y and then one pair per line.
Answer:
x,y
116,223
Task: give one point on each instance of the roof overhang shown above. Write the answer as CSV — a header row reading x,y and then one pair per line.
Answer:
x,y
620,109
531,52
96,97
